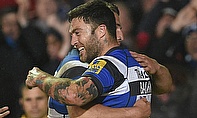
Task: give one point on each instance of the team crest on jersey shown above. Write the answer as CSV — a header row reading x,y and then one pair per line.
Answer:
x,y
96,66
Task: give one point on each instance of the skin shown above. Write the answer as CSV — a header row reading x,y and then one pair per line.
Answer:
x,y
141,108
4,112
162,81
162,85
81,91
9,26
34,103
82,53
160,73
86,90
64,90
121,110
53,46
191,46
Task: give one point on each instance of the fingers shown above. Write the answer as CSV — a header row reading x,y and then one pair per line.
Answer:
x,y
145,100
4,111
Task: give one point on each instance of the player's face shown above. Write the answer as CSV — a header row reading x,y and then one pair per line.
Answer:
x,y
85,40
119,33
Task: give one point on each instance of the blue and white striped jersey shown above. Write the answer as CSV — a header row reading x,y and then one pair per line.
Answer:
x,y
119,78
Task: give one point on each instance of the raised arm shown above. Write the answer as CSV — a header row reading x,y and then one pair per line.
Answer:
x,y
71,92
162,80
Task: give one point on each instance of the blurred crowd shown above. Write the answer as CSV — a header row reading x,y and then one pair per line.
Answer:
x,y
35,33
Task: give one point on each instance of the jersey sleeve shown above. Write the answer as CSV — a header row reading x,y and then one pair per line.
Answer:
x,y
103,73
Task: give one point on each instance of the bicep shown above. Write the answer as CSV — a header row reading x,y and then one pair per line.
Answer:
x,y
80,91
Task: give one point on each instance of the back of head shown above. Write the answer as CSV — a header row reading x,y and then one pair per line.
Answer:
x,y
95,12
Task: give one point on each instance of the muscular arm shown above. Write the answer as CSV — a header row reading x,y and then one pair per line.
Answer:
x,y
71,92
162,80
141,109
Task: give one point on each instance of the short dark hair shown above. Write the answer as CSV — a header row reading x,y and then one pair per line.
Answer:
x,y
6,11
56,33
113,8
95,12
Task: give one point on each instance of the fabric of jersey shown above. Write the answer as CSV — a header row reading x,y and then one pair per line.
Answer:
x,y
119,78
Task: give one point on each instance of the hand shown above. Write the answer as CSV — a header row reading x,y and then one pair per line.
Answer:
x,y
144,108
22,14
185,17
150,65
193,3
32,77
4,111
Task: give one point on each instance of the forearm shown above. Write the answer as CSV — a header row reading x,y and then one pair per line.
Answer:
x,y
141,109
100,111
162,81
66,91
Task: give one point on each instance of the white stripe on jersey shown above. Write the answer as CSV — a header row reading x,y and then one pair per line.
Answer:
x,y
135,73
120,66
70,64
122,89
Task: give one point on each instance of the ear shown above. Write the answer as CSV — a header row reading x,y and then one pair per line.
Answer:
x,y
102,30
21,101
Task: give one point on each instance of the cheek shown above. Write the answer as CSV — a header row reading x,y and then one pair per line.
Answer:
x,y
119,35
27,106
192,48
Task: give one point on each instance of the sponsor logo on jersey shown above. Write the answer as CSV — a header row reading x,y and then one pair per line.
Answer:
x,y
97,66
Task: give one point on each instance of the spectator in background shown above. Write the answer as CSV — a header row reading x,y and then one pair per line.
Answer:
x,y
167,17
54,43
169,48
48,13
34,103
190,33
178,52
15,60
181,102
146,28
22,46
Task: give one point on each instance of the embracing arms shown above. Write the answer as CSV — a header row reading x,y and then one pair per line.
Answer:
x,y
162,80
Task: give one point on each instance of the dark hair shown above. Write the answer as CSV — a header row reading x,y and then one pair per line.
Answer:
x,y
95,12
113,8
56,33
189,29
6,11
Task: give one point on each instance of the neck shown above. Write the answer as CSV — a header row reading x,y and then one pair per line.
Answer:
x,y
107,48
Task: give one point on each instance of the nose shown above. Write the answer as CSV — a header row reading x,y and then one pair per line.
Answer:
x,y
74,40
34,103
119,35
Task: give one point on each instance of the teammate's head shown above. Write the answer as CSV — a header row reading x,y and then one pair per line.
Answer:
x,y
115,10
